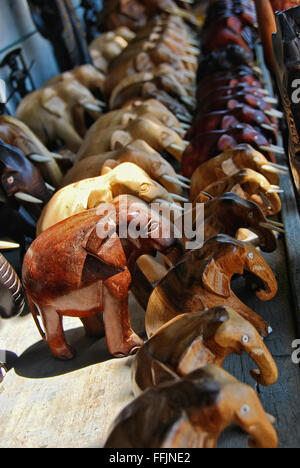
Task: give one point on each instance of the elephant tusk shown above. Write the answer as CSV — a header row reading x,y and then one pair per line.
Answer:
x,y
272,227
8,245
28,198
179,198
279,166
188,59
189,2
258,70
175,181
274,113
184,179
272,149
182,14
185,126
273,170
189,101
171,205
271,418
176,147
91,107
185,118
270,100
180,131
193,50
188,74
39,158
100,103
57,156
49,187
268,127
275,223
275,191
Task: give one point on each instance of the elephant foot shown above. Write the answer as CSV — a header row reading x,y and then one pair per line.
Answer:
x,y
65,354
128,348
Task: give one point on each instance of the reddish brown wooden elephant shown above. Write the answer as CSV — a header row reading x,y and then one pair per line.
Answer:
x,y
80,268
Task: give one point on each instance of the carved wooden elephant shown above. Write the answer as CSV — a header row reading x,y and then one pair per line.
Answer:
x,y
20,178
87,75
250,185
57,113
228,164
202,280
229,213
158,136
195,340
80,268
192,412
89,193
139,153
16,133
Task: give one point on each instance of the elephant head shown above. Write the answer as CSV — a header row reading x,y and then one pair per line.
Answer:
x,y
11,291
249,185
192,412
20,178
202,279
195,340
229,212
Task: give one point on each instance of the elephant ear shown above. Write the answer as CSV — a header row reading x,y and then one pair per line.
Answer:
x,y
162,373
53,103
97,265
215,280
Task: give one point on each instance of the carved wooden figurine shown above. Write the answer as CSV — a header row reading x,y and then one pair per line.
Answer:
x,y
250,185
20,178
80,268
16,133
12,299
89,193
228,164
57,113
191,341
202,280
229,213
138,153
192,412
157,135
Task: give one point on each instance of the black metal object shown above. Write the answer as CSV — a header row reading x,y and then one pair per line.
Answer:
x,y
20,79
91,11
57,21
287,59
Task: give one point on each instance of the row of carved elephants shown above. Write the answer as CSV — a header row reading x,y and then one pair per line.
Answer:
x,y
193,319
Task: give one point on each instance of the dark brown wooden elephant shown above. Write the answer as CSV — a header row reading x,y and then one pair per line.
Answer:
x,y
80,268
192,412
202,279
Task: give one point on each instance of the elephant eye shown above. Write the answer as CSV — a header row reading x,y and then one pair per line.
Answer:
x,y
245,339
10,180
245,410
250,215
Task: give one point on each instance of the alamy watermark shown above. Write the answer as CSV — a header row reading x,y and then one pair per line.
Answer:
x,y
296,352
159,221
3,97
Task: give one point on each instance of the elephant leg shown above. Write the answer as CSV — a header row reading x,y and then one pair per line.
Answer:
x,y
68,134
54,333
94,326
121,339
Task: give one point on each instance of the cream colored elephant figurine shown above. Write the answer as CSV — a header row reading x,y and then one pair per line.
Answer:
x,y
57,113
126,178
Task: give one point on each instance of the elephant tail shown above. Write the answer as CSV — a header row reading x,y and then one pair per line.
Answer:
x,y
33,311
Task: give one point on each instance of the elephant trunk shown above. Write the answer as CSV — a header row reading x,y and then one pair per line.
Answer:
x,y
12,295
261,270
263,434
267,374
173,254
